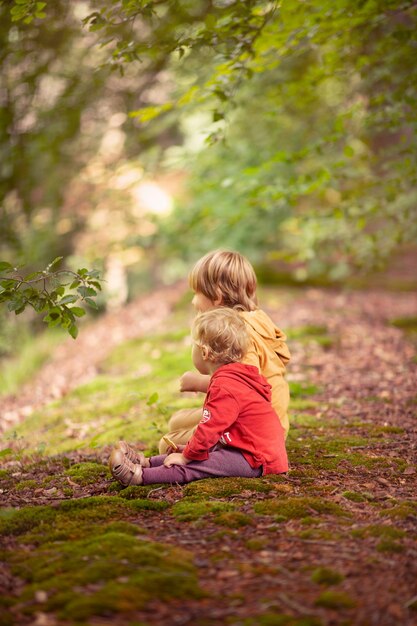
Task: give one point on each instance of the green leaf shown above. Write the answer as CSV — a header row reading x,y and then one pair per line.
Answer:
x,y
78,311
153,398
54,262
86,291
91,303
14,305
4,266
73,331
5,452
68,300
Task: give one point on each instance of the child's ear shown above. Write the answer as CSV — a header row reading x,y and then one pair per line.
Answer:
x,y
205,353
219,300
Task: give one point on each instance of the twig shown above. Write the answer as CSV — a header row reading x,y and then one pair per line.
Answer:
x,y
296,606
153,490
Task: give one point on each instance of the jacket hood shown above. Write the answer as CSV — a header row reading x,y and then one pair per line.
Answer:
x,y
273,337
248,374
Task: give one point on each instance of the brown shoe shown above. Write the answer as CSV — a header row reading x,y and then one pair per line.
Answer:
x,y
131,454
123,470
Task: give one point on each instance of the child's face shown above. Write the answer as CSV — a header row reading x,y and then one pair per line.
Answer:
x,y
201,364
201,303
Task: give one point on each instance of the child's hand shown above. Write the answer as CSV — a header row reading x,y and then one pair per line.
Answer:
x,y
177,458
193,381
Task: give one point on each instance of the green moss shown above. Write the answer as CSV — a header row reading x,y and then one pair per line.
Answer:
x,y
326,576
19,521
319,534
121,526
107,573
335,600
135,491
88,473
302,389
379,530
394,430
26,484
354,496
4,474
226,487
313,334
406,323
299,507
402,510
233,519
388,545
324,453
303,332
68,518
189,511
149,505
301,404
257,543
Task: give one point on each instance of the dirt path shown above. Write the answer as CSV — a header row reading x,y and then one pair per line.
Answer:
x,y
332,543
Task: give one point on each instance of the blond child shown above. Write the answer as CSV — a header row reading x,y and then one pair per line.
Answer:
x,y
239,433
227,279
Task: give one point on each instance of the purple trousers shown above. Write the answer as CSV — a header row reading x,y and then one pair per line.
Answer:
x,y
221,462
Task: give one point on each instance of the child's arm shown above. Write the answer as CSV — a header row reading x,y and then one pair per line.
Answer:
x,y
220,411
194,381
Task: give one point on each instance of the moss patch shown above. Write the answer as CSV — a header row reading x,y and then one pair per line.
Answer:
x,y
326,576
335,600
49,523
104,574
233,519
257,543
299,507
406,323
88,473
389,545
402,510
226,487
189,511
354,496
379,530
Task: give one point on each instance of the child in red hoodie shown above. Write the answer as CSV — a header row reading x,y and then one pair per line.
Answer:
x,y
239,434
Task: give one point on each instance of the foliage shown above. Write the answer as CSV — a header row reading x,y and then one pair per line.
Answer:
x,y
310,110
46,292
316,162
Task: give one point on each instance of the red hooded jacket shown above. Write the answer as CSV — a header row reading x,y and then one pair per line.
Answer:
x,y
238,413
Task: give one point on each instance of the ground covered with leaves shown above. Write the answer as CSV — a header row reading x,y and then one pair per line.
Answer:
x,y
331,542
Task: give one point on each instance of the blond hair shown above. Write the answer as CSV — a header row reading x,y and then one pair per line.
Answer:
x,y
228,275
223,333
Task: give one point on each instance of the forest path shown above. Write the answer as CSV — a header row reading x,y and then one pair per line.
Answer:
x,y
75,362
331,543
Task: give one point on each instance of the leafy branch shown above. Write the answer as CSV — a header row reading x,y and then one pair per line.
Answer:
x,y
49,291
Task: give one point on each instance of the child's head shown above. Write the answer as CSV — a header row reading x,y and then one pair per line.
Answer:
x,y
224,278
220,337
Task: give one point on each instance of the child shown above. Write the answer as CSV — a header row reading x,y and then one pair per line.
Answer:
x,y
239,434
227,279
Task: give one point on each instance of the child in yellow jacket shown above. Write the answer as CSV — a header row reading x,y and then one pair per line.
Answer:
x,y
226,278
